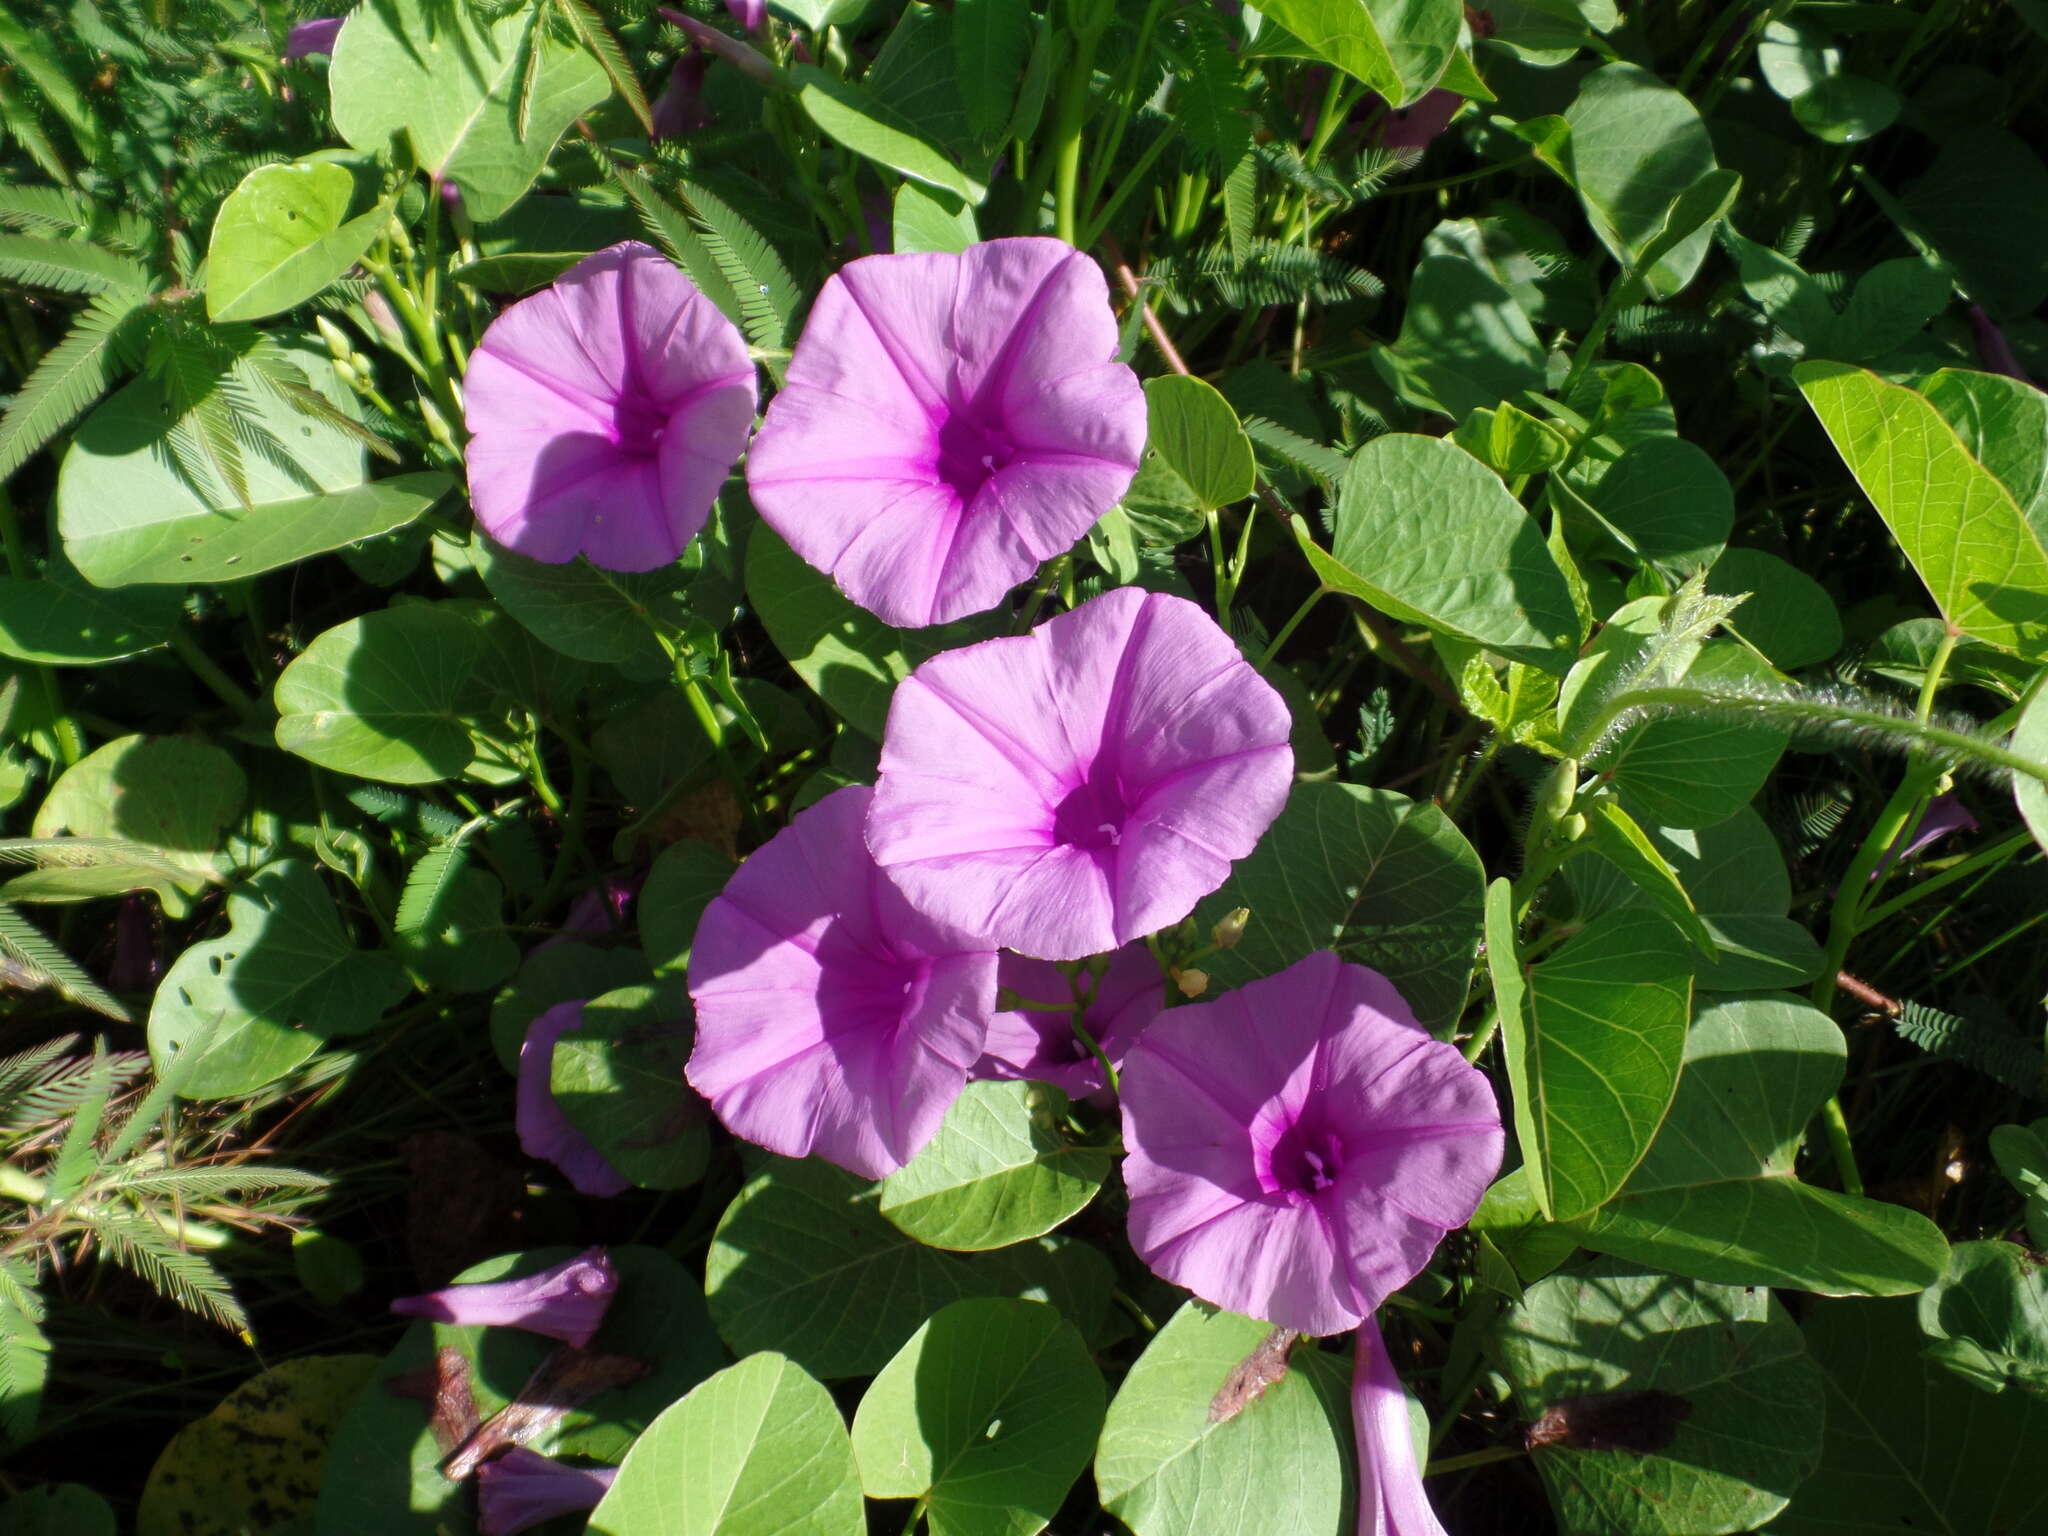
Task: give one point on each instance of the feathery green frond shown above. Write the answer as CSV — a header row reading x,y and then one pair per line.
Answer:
x,y
1272,273
42,962
597,37
1974,1043
674,233
68,380
427,888
767,294
145,1250
69,266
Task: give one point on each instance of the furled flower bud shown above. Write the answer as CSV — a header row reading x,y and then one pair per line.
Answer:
x,y
1192,983
522,1489
1231,928
566,1302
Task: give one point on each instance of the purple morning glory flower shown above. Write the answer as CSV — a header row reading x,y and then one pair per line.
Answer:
x,y
544,1131
1417,124
605,412
679,109
950,419
1945,814
565,1302
522,1489
1391,1501
315,36
1067,791
1043,1046
1299,1146
831,1018
751,14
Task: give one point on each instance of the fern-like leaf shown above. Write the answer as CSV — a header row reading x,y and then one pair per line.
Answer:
x,y
53,1090
145,1250
199,1185
1974,1043
69,266
674,233
1210,100
427,889
38,961
68,379
75,1155
51,211
597,37
24,1362
1318,182
1271,274
767,294
1325,465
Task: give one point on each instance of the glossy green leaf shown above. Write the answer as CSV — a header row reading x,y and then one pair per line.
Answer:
x,y
1666,502
282,236
991,43
618,1076
387,696
129,511
562,972
1637,146
1735,1426
383,1472
1789,616
1594,1034
254,1462
988,1413
1794,56
467,946
684,879
1465,344
1983,205
1000,1170
1400,48
175,795
1428,535
2004,424
802,1262
850,658
1910,1446
1847,109
931,221
1984,564
872,129
1383,880
1614,834
283,980
463,92
757,1450
58,1509
2021,1152
61,620
1987,1317
1284,1463
1716,1197
2030,737
583,610
1198,436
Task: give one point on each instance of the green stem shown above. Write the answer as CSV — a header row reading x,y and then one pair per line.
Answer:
x,y
1130,183
2019,842
1071,116
1482,1037
254,714
571,847
1473,1459
1458,180
1081,1033
1293,623
1836,1125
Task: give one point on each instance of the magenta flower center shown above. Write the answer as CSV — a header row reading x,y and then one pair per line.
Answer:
x,y
637,425
1092,815
970,451
1302,1163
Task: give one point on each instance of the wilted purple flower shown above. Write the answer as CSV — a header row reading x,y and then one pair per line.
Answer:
x,y
950,419
544,1131
1043,1047
315,36
1298,1147
1391,1501
605,412
565,1302
679,109
751,14
1994,352
1945,814
1067,791
831,1018
747,60
522,1489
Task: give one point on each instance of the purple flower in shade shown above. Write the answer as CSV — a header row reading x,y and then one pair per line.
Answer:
x,y
1994,352
544,1131
1043,1046
566,1302
679,109
1067,791
1390,1497
1299,1147
831,1018
1945,814
950,419
1415,125
751,14
605,411
315,36
522,1489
